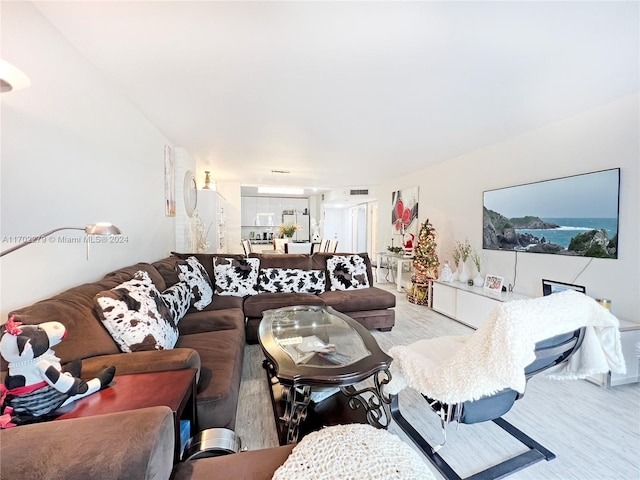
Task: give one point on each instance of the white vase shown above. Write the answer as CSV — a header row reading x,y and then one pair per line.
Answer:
x,y
478,281
463,276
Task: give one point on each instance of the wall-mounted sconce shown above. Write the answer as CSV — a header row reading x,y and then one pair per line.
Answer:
x,y
11,78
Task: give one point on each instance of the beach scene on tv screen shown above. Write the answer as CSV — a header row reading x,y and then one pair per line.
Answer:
x,y
575,215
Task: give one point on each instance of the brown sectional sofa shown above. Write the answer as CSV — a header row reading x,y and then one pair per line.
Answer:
x,y
372,307
211,341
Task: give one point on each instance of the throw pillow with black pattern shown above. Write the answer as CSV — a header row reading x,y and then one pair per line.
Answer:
x,y
196,278
291,280
236,278
347,272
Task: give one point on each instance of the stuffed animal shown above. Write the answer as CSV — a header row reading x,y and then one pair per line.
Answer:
x,y
36,385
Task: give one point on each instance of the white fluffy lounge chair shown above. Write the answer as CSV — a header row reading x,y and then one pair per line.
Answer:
x,y
477,378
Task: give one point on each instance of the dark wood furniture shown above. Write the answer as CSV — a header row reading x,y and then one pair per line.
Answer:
x,y
174,389
297,378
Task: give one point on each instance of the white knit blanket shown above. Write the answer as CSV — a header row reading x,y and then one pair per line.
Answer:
x,y
455,369
353,452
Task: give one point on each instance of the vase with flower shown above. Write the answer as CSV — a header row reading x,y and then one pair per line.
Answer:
x,y
288,229
464,250
478,281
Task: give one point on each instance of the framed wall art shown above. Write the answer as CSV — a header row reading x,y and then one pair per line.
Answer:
x,y
169,182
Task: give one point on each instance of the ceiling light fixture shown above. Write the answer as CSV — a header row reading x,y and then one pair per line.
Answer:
x,y
281,190
11,78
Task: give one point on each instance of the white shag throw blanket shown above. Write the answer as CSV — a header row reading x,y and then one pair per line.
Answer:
x,y
353,452
455,369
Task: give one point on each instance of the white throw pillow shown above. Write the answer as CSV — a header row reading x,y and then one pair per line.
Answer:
x,y
197,279
347,272
136,317
236,278
291,280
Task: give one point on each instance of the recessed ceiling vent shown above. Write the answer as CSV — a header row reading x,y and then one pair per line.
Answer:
x,y
359,192
280,171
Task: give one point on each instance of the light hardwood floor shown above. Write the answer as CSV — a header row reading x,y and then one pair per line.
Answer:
x,y
595,432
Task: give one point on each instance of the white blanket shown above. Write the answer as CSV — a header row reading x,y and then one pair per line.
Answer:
x,y
455,369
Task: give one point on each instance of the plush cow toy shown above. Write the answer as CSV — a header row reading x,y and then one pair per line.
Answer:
x,y
36,384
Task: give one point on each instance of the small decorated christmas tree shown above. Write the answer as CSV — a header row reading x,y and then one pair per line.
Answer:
x,y
425,264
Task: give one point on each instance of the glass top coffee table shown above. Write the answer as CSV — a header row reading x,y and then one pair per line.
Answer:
x,y
312,352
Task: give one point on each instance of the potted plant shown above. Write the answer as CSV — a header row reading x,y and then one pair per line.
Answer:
x,y
288,229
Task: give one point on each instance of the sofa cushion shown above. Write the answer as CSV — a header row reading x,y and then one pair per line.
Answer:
x,y
178,299
135,315
126,273
221,353
255,305
291,280
220,302
371,298
276,260
195,276
212,320
236,277
133,444
347,272
168,269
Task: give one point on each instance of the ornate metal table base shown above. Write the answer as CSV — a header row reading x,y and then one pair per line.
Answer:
x,y
296,399
296,402
372,399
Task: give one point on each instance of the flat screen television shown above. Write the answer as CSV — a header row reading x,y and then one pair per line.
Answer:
x,y
576,215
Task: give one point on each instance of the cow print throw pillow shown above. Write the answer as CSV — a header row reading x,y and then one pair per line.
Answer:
x,y
347,272
136,317
291,280
236,278
197,279
178,299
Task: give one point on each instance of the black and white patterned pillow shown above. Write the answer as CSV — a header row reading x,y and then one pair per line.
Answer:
x,y
136,317
236,278
197,279
291,280
178,300
347,272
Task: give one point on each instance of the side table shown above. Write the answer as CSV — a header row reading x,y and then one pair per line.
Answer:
x,y
175,389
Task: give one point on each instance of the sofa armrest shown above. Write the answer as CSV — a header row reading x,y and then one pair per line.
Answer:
x,y
143,362
251,465
133,444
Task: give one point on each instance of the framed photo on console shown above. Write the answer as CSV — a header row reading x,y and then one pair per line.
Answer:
x,y
551,286
493,283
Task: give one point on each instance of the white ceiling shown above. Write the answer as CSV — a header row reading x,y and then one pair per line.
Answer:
x,y
352,93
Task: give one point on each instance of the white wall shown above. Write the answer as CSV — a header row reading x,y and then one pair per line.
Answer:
x,y
602,138
232,193
74,151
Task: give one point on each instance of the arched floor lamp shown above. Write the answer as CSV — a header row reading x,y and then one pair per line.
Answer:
x,y
92,229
